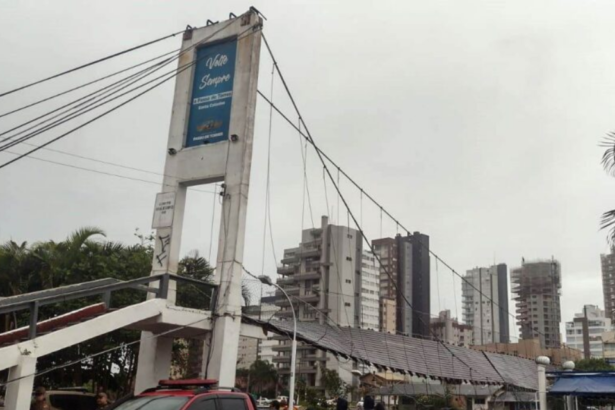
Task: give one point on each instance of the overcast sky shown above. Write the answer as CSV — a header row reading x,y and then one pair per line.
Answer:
x,y
474,122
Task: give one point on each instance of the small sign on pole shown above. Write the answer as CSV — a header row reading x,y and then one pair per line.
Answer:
x,y
163,210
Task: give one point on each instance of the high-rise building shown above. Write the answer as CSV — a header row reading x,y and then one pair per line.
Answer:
x,y
386,249
484,293
449,330
324,275
370,290
608,283
536,287
585,331
388,313
405,276
413,281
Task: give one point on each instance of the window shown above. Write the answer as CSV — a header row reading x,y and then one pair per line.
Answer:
x,y
152,403
348,281
348,258
233,403
204,404
347,304
69,401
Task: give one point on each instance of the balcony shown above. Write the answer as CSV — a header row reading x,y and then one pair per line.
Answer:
x,y
288,259
291,290
286,281
310,252
287,270
311,297
307,276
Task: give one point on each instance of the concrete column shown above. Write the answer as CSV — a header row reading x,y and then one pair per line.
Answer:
x,y
229,269
19,392
154,361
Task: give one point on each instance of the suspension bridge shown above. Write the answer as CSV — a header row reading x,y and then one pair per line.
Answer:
x,y
210,143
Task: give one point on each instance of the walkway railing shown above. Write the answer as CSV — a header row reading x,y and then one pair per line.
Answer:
x,y
158,285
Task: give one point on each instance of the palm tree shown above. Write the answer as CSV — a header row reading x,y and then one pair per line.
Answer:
x,y
13,272
59,257
608,162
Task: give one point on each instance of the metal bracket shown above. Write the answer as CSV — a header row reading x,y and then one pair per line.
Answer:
x,y
188,33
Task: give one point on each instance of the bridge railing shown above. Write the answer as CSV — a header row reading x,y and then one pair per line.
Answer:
x,y
103,287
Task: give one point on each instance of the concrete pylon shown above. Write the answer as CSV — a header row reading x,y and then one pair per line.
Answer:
x,y
21,384
210,140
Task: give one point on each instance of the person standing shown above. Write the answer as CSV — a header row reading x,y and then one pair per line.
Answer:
x,y
40,399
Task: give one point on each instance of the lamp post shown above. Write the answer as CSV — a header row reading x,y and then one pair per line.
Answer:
x,y
293,355
542,362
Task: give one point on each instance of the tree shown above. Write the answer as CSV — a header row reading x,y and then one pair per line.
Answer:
x,y
593,364
331,382
608,163
263,376
27,268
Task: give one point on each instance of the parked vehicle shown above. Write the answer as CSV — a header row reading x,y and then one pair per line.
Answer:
x,y
193,394
71,398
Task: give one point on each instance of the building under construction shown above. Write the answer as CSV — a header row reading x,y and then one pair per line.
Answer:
x,y
536,287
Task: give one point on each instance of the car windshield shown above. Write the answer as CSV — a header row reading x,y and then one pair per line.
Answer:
x,y
154,403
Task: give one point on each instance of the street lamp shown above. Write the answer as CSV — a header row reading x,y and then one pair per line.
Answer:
x,y
293,355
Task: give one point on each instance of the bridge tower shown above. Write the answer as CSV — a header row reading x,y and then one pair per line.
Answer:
x,y
210,141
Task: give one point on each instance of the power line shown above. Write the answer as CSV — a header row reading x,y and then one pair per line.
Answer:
x,y
100,172
324,164
173,75
161,64
84,85
88,97
82,108
382,209
100,60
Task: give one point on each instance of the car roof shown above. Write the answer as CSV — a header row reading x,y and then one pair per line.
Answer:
x,y
190,393
69,392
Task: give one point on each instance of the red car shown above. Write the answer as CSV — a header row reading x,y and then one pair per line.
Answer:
x,y
193,394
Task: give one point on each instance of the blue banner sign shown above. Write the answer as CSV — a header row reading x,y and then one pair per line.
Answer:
x,y
212,94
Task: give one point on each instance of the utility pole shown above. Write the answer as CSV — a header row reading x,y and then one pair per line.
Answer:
x,y
586,348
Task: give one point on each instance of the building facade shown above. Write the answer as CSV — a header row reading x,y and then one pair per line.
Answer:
x,y
536,287
484,294
413,285
323,275
449,330
388,313
405,278
608,283
370,291
585,331
386,249
608,347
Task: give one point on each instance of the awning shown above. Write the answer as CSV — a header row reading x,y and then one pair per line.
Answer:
x,y
585,384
